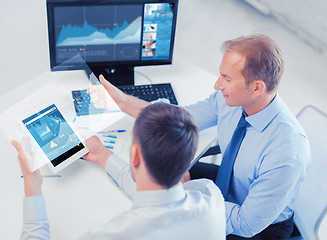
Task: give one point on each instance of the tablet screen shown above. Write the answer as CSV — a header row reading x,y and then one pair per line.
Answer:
x,y
53,134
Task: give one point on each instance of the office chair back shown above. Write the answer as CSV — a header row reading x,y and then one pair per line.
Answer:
x,y
311,200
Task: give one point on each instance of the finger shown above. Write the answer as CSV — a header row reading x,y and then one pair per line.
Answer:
x,y
91,157
102,79
107,85
86,156
89,90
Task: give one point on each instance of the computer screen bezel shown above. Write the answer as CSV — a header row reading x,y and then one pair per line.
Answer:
x,y
51,4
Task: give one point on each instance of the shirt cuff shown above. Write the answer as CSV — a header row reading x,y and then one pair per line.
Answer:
x,y
119,171
34,209
229,208
114,166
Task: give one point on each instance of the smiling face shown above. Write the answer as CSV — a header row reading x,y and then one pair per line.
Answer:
x,y
232,83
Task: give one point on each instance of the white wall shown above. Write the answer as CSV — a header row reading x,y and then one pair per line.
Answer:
x,y
306,18
204,25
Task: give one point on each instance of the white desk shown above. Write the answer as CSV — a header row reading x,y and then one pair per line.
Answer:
x,y
84,194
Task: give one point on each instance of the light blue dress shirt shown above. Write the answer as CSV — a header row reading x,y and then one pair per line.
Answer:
x,y
194,210
269,168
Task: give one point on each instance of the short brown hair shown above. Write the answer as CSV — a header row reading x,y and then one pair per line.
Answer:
x,y
168,139
264,60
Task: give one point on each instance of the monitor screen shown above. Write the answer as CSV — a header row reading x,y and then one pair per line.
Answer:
x,y
111,36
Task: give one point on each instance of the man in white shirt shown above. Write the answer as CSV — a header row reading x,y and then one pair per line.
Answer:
x,y
164,142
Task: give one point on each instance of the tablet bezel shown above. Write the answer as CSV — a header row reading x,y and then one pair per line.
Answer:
x,y
68,158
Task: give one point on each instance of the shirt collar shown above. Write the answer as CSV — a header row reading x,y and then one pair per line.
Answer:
x,y
158,197
262,119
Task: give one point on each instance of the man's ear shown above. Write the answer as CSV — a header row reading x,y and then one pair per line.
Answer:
x,y
135,156
258,87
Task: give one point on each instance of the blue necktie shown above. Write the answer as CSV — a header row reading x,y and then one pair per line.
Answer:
x,y
227,163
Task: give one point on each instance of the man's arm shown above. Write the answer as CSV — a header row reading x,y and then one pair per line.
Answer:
x,y
205,113
266,200
277,181
35,220
117,168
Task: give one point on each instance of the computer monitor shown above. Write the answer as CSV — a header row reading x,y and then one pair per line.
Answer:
x,y
112,36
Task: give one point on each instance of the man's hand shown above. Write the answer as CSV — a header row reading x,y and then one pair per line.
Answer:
x,y
127,103
100,97
32,180
97,152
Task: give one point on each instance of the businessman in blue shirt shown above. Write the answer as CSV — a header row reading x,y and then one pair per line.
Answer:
x,y
274,155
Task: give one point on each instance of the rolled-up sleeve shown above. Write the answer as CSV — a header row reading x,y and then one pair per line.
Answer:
x,y
205,112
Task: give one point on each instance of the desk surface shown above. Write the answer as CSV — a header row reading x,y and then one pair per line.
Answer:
x,y
84,194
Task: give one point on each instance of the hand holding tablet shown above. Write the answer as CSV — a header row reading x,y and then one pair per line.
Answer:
x,y
53,134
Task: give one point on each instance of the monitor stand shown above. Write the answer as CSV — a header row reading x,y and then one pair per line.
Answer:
x,y
116,75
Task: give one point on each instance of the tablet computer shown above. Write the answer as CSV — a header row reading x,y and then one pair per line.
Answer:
x,y
56,138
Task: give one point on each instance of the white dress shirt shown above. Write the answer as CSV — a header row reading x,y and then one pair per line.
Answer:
x,y
194,210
